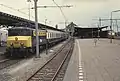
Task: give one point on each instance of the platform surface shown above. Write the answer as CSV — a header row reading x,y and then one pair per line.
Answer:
x,y
94,63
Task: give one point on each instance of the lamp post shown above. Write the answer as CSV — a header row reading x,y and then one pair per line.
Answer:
x,y
29,7
36,26
99,28
111,24
111,27
46,37
117,27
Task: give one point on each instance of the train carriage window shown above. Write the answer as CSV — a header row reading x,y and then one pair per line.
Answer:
x,y
47,35
56,35
53,35
50,35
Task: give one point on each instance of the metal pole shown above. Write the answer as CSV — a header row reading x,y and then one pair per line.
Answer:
x,y
46,37
66,31
92,32
98,27
111,29
73,31
117,27
29,10
36,25
65,27
29,7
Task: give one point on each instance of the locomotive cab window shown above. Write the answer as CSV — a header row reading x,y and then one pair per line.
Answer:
x,y
19,32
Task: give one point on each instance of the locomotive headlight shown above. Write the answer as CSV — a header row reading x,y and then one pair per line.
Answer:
x,y
22,44
11,44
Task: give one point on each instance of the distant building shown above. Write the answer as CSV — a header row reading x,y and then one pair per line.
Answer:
x,y
86,32
71,28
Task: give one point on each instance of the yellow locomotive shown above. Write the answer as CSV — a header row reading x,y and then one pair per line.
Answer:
x,y
22,41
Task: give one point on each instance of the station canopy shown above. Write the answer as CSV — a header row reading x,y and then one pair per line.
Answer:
x,y
85,31
11,20
89,29
76,28
90,32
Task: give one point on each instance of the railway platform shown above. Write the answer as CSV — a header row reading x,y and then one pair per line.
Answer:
x,y
94,63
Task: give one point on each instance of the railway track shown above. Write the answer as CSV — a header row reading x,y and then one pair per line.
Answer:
x,y
61,73
1,61
11,61
55,66
4,63
8,62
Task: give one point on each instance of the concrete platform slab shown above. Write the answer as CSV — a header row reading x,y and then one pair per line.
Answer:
x,y
94,63
74,71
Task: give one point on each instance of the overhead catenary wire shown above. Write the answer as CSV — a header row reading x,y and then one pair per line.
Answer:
x,y
60,10
62,13
15,9
44,6
58,6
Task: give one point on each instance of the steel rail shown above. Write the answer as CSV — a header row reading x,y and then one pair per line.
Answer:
x,y
56,53
8,62
61,64
1,61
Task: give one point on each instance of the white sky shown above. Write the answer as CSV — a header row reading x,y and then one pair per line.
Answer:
x,y
83,11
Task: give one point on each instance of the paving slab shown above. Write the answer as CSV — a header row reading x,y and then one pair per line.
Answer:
x,y
100,62
73,67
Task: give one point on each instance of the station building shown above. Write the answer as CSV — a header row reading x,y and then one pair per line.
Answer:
x,y
89,32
